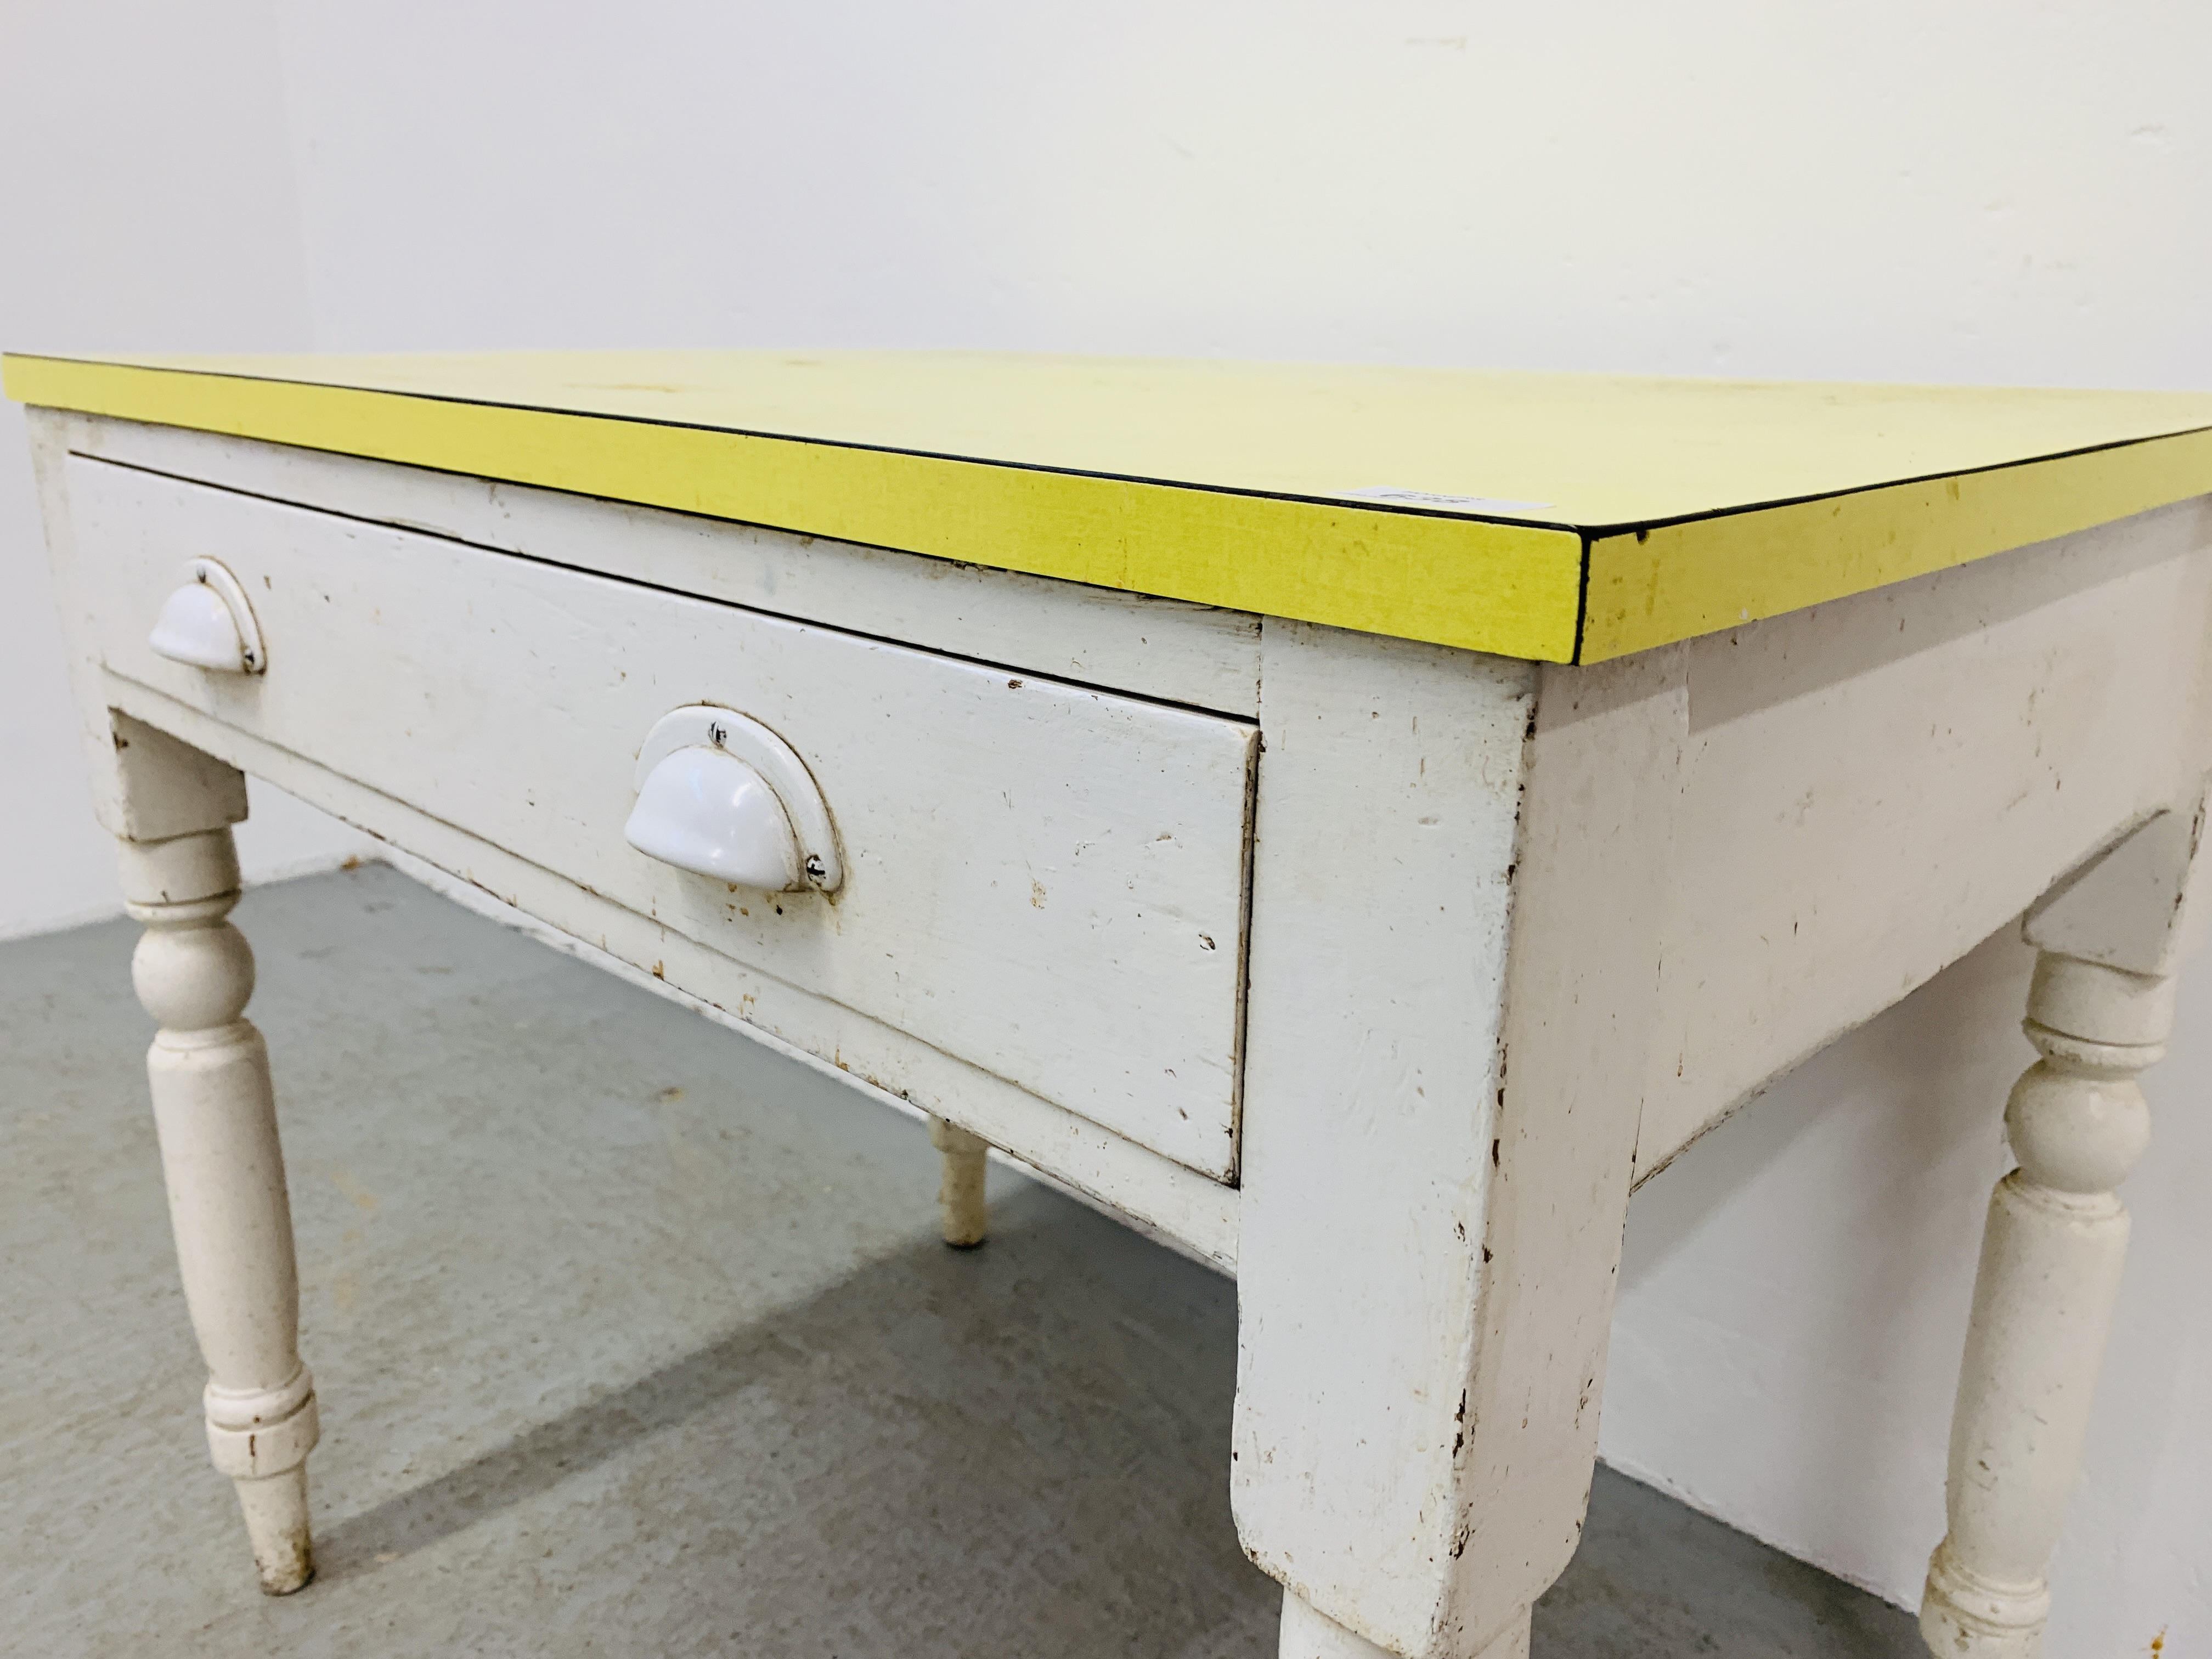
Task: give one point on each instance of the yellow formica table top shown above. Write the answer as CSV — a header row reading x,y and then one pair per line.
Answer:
x,y
1559,517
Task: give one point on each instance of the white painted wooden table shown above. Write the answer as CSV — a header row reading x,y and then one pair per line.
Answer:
x,y
1369,927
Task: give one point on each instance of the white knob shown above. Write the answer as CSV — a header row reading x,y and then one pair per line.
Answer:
x,y
207,623
723,796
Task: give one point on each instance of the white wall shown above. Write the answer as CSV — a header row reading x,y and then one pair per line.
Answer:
x,y
147,201
1975,192
1796,1292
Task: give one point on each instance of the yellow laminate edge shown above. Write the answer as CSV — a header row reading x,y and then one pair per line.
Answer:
x,y
1676,581
1651,511
1513,590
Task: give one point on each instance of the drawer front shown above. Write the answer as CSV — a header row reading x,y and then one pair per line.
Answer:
x,y
1043,880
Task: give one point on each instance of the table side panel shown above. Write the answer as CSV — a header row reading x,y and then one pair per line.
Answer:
x,y
1875,785
1045,881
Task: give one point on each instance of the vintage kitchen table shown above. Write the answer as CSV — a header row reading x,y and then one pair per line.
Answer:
x,y
1354,823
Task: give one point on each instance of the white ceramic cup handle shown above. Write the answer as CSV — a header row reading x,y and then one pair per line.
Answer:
x,y
705,810
207,623
720,794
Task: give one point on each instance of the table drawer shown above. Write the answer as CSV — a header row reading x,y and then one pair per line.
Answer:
x,y
1044,880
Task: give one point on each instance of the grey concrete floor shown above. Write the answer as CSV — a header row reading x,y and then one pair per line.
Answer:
x,y
632,1338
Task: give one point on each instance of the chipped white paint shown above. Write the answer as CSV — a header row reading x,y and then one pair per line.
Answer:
x,y
1876,786
208,1074
1513,931
201,758
1043,880
1310,1635
1440,1107
2140,905
2099,1013
1157,1194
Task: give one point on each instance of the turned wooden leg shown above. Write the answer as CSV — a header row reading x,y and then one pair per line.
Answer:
x,y
1310,1635
961,1209
2043,1303
225,1172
